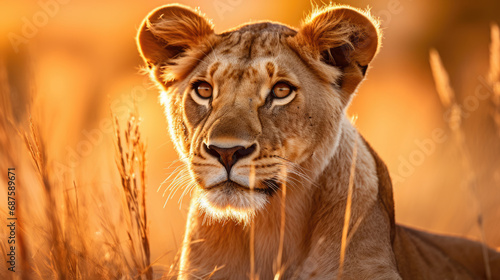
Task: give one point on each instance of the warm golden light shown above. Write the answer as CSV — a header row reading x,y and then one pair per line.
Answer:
x,y
67,64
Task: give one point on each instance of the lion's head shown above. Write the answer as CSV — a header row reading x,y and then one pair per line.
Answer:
x,y
250,108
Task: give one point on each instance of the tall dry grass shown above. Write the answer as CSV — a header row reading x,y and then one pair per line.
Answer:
x,y
67,229
455,121
131,163
447,97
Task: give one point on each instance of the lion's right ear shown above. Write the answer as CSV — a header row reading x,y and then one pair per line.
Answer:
x,y
169,31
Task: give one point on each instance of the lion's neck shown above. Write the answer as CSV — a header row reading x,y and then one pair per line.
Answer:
x,y
313,212
334,178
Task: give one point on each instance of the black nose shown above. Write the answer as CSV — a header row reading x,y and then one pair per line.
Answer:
x,y
229,156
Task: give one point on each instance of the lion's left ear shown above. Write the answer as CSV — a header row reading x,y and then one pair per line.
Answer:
x,y
343,37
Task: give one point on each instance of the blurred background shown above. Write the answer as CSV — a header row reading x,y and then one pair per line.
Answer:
x,y
68,62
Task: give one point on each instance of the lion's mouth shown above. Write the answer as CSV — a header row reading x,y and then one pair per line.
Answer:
x,y
230,199
267,187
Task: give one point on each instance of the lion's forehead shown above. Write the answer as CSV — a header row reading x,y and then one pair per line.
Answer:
x,y
254,40
251,71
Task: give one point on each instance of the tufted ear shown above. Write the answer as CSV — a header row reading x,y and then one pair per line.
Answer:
x,y
344,37
169,31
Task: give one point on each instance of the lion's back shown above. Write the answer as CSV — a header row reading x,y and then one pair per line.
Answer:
x,y
422,255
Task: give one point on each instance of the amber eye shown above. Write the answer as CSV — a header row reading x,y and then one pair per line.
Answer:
x,y
281,90
203,89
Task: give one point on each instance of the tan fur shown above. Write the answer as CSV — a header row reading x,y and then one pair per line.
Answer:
x,y
303,143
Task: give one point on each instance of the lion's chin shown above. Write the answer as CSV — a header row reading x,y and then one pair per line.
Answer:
x,y
229,200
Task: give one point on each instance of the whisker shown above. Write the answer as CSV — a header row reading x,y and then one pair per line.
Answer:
x,y
177,169
296,169
186,190
176,185
179,175
175,161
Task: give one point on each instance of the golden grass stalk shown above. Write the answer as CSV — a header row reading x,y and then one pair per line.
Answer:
x,y
347,213
131,162
442,80
449,101
494,73
252,224
279,266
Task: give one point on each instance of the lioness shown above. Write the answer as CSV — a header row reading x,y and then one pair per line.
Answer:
x,y
258,112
